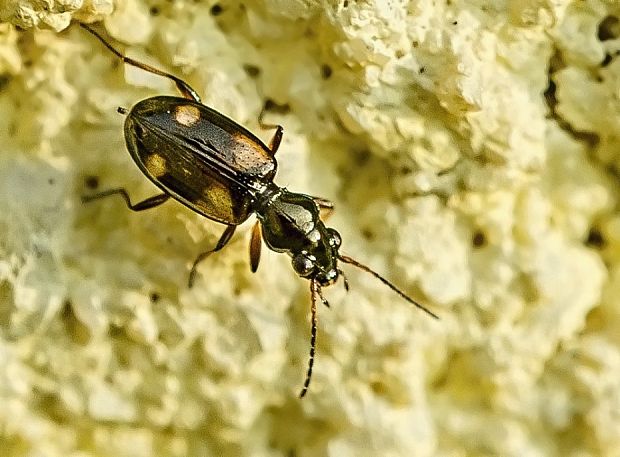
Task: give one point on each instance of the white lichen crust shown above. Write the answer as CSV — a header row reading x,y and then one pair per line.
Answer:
x,y
472,151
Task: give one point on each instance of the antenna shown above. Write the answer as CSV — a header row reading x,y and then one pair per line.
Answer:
x,y
355,263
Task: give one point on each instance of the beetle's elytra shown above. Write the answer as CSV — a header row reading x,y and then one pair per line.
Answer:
x,y
217,168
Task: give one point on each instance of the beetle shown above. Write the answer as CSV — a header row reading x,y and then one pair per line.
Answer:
x,y
219,169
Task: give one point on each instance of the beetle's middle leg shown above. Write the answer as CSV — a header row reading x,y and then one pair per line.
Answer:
x,y
274,144
147,203
223,241
326,207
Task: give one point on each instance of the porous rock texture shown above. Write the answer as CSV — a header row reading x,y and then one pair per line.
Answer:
x,y
471,149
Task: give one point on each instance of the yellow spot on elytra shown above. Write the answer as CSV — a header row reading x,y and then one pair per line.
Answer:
x,y
245,141
156,165
247,152
187,115
218,194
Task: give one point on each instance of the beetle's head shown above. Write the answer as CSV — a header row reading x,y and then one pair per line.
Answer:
x,y
319,260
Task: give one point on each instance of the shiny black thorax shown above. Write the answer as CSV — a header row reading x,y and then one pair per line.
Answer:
x,y
291,223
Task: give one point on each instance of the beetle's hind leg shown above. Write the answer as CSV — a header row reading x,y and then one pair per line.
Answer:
x,y
223,241
186,90
147,203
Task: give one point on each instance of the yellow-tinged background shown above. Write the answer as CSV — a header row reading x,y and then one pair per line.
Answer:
x,y
472,151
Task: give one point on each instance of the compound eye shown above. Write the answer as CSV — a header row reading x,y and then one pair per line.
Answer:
x,y
303,265
334,238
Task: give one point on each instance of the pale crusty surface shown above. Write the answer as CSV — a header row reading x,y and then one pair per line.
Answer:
x,y
471,148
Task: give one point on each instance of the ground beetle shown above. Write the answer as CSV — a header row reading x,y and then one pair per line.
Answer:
x,y
219,169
